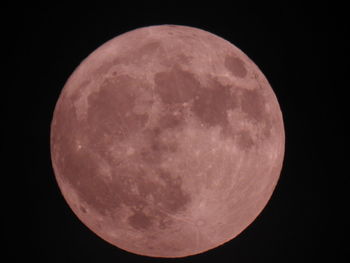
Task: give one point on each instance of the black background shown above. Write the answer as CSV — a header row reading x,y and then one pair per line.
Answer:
x,y
289,43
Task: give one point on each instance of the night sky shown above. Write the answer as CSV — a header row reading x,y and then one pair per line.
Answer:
x,y
290,44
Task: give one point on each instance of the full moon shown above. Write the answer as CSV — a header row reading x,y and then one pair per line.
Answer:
x,y
167,141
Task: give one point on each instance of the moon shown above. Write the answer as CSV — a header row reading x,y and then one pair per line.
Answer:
x,y
167,141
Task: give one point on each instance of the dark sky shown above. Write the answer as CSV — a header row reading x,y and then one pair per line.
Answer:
x,y
289,43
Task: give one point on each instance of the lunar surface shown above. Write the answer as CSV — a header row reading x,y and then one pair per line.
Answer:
x,y
167,141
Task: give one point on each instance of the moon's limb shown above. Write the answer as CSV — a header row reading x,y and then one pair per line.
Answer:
x,y
167,141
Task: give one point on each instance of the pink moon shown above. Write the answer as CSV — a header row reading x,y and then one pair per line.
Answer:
x,y
167,141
